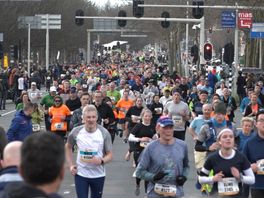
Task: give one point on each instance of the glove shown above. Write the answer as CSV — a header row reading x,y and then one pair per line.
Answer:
x,y
180,180
159,176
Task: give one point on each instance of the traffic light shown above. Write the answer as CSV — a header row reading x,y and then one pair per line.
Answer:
x,y
15,52
229,53
12,52
78,21
118,45
1,51
122,23
165,23
198,12
208,51
138,11
194,53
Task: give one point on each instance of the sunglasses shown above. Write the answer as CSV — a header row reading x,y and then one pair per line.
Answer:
x,y
57,100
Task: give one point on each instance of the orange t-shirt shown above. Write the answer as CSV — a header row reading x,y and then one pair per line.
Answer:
x,y
123,106
58,115
226,116
254,108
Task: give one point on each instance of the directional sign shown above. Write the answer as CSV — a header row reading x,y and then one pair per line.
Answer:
x,y
228,19
245,19
53,21
257,30
24,21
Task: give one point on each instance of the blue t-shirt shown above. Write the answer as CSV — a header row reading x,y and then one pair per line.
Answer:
x,y
243,139
197,123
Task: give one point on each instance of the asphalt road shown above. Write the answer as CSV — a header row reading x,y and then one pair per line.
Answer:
x,y
119,181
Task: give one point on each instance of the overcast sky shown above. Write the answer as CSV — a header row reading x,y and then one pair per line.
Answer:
x,y
101,3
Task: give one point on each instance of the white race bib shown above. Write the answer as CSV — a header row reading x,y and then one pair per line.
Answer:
x,y
158,110
166,190
228,186
59,125
260,164
177,120
33,95
85,156
35,127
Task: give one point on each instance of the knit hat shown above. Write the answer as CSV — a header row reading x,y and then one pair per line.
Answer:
x,y
220,108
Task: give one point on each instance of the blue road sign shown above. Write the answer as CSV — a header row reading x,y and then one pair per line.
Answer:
x,y
228,19
257,31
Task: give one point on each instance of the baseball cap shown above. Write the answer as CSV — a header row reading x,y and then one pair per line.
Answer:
x,y
164,121
53,88
33,83
73,90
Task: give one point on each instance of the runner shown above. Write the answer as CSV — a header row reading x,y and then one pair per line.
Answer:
x,y
142,135
164,163
94,151
230,168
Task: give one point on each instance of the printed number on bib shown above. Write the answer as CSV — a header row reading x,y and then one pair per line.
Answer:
x,y
35,127
177,120
260,164
228,186
165,190
85,156
158,110
59,126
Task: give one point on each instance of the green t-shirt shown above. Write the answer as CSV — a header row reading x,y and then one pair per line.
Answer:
x,y
47,100
114,95
19,106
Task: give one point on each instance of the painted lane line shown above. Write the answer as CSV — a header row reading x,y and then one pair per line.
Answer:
x,y
4,114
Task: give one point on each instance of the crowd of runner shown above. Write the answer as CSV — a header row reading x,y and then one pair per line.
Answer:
x,y
139,101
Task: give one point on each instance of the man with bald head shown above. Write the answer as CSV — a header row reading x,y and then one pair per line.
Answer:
x,y
10,162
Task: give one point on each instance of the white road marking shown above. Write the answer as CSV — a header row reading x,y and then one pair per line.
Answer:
x,y
4,114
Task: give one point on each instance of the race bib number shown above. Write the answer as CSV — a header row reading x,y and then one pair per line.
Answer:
x,y
177,120
143,144
158,110
59,125
165,190
228,186
260,164
85,156
33,95
35,127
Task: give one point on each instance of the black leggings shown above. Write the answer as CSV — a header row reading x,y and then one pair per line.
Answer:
x,y
136,157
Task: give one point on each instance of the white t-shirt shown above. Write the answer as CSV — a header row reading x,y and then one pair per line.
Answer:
x,y
20,83
89,144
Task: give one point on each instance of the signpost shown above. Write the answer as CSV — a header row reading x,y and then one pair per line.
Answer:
x,y
257,32
245,19
49,22
228,19
30,22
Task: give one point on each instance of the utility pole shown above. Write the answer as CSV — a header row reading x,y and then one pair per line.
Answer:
x,y
187,43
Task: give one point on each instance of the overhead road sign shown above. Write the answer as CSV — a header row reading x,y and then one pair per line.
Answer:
x,y
245,19
257,30
228,19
